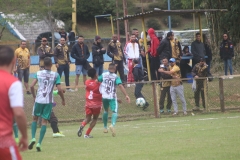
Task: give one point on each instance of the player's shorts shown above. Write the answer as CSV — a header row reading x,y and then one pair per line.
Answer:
x,y
10,153
80,69
92,111
112,103
43,110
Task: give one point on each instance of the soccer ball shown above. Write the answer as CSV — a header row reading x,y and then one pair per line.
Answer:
x,y
140,102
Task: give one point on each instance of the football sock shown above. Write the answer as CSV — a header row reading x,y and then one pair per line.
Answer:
x,y
15,130
88,131
114,118
83,124
42,133
34,129
54,127
105,119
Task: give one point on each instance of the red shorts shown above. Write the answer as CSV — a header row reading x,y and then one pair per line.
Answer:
x,y
10,153
93,111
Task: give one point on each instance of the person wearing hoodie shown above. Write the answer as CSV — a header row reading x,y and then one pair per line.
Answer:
x,y
97,53
138,77
226,54
197,49
153,54
80,53
131,51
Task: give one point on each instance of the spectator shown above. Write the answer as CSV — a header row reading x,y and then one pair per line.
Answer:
x,y
176,86
131,51
97,53
71,38
115,51
23,64
62,61
11,94
136,33
80,53
197,49
208,52
44,51
184,63
138,77
165,89
199,70
141,48
176,50
153,54
63,34
164,50
226,54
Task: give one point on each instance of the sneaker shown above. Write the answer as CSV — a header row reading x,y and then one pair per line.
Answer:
x,y
112,130
175,113
105,130
128,85
38,147
161,111
30,146
59,134
28,92
169,111
146,105
88,136
79,133
184,113
196,108
70,90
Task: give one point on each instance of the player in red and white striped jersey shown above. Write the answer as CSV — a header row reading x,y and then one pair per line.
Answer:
x,y
11,94
93,103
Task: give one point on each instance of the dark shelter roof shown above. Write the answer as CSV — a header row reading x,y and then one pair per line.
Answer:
x,y
159,12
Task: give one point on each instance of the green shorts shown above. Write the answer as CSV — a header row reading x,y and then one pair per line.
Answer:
x,y
112,103
43,110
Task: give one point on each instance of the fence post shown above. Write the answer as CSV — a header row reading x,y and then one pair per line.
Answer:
x,y
221,94
205,87
155,100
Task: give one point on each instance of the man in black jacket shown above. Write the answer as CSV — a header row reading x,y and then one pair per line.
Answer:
x,y
138,77
115,51
97,53
226,54
165,50
197,49
80,53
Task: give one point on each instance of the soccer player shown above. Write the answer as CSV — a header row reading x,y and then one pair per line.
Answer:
x,y
93,103
43,102
109,97
11,94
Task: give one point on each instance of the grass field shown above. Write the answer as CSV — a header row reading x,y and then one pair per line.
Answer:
x,y
207,136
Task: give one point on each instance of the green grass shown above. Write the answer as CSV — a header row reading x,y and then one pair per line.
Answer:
x,y
200,137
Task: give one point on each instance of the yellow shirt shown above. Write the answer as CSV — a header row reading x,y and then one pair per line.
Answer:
x,y
175,49
23,57
176,74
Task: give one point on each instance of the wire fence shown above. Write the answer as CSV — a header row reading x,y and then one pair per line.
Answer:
x,y
221,94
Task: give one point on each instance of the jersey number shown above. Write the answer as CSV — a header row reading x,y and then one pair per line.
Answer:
x,y
109,85
90,96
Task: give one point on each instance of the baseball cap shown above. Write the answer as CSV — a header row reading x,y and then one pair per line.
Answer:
x,y
172,60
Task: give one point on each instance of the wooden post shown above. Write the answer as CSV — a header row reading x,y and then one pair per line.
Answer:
x,y
155,100
221,94
206,94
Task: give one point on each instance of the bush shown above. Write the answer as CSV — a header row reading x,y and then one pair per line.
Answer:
x,y
175,21
153,23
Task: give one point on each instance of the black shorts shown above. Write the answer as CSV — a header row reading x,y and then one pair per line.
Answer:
x,y
23,73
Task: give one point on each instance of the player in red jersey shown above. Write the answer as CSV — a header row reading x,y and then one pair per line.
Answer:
x,y
93,103
11,94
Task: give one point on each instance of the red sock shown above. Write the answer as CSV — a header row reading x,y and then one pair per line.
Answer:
x,y
83,124
88,131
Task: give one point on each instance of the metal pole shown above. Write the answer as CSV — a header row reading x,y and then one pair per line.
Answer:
x,y
112,25
74,16
194,23
155,100
118,32
221,94
96,26
145,46
125,21
169,18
